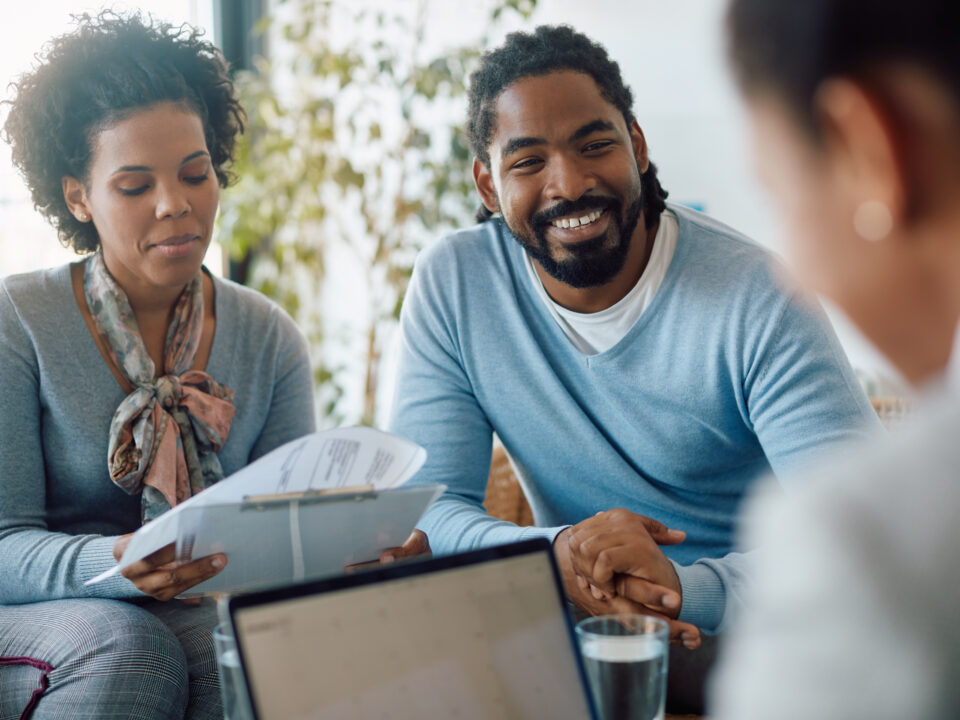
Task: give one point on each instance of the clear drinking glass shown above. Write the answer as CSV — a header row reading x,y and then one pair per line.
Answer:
x,y
625,658
233,691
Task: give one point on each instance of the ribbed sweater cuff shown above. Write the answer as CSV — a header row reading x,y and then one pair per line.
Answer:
x,y
704,599
97,557
550,533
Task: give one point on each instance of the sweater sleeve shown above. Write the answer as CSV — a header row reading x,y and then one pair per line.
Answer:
x,y
803,401
436,407
35,563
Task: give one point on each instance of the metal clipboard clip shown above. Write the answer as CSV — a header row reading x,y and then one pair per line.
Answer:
x,y
270,501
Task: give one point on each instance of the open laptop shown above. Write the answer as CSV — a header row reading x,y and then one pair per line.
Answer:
x,y
474,636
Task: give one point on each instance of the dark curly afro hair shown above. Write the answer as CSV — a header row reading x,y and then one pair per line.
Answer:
x,y
106,69
546,50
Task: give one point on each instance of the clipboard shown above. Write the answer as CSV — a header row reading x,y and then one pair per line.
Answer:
x,y
291,537
319,502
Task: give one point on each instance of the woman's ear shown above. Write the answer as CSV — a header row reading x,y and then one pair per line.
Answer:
x,y
483,180
75,195
865,154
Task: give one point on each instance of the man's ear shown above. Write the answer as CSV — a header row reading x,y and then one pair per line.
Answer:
x,y
75,195
483,179
639,146
863,146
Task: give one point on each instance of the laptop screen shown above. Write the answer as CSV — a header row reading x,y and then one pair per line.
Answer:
x,y
479,635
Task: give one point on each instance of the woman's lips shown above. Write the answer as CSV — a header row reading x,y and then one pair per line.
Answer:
x,y
176,246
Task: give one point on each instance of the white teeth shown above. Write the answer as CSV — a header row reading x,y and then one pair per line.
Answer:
x,y
577,222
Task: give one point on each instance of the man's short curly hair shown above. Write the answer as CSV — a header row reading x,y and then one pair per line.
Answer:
x,y
106,69
546,50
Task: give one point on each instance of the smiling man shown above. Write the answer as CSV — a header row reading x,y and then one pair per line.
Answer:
x,y
639,363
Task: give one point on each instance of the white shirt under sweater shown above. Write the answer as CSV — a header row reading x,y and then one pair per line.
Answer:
x,y
593,333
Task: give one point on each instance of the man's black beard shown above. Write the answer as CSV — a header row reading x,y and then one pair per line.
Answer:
x,y
593,262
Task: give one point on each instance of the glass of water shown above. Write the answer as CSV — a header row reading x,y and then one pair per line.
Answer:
x,y
232,687
625,658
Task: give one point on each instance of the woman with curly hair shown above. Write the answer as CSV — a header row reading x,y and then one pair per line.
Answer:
x,y
132,379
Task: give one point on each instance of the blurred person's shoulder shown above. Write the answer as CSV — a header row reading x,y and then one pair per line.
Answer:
x,y
852,612
913,470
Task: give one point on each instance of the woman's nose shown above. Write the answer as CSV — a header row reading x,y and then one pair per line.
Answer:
x,y
171,201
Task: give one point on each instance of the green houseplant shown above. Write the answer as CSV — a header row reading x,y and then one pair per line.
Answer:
x,y
354,157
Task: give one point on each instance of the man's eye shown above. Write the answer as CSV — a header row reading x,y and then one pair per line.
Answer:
x,y
599,145
524,164
196,179
134,191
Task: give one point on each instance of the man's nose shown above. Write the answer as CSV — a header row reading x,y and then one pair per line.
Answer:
x,y
568,179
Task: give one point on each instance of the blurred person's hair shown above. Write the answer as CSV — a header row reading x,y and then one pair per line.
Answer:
x,y
789,47
546,50
108,68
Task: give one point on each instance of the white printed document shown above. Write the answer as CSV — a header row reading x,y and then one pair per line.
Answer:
x,y
305,510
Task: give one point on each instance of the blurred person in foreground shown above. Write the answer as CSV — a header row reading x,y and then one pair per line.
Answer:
x,y
856,121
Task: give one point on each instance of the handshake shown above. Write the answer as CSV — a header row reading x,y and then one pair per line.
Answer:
x,y
612,563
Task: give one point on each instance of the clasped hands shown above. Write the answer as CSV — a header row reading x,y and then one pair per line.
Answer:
x,y
612,563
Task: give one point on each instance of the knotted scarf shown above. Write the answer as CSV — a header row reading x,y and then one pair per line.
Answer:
x,y
165,435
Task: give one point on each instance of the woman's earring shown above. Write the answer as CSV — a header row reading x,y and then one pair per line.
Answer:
x,y
83,217
872,220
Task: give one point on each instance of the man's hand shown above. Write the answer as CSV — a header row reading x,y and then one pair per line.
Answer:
x,y
617,552
160,577
578,591
416,544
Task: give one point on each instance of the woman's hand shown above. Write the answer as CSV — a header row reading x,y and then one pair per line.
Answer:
x,y
160,577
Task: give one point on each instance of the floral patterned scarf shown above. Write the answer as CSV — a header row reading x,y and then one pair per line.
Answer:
x,y
165,435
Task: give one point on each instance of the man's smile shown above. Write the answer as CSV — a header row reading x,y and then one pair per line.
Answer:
x,y
572,222
575,229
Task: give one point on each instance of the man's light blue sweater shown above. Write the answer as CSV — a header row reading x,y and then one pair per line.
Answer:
x,y
723,378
